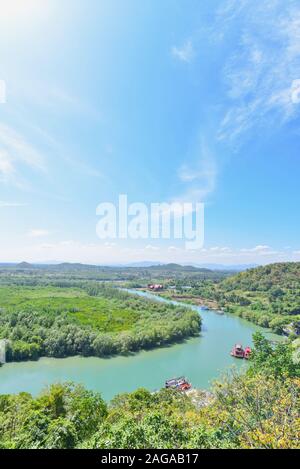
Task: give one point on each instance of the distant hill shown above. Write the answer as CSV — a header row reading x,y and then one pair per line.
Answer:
x,y
267,295
66,273
67,266
75,265
224,267
175,267
233,267
24,265
143,264
281,275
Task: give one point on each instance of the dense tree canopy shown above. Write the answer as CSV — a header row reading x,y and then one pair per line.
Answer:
x,y
92,320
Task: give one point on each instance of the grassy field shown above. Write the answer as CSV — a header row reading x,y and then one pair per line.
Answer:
x,y
100,313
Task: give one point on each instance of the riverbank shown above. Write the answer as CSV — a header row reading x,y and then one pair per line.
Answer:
x,y
201,359
186,299
275,322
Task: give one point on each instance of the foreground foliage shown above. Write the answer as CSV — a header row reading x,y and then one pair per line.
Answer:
x,y
259,409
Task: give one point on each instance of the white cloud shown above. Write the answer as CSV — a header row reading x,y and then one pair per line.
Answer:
x,y
20,149
173,249
38,233
200,177
98,253
149,247
262,73
11,204
47,246
6,166
207,172
261,247
16,151
185,53
16,13
258,249
109,245
220,249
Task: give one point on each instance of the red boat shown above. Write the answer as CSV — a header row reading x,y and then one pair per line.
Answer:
x,y
185,386
181,384
238,351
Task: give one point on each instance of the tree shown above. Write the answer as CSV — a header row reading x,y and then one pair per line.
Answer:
x,y
274,360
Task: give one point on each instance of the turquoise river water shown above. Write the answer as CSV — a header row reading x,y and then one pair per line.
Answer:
x,y
201,360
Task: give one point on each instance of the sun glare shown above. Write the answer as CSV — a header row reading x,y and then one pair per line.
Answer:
x,y
22,12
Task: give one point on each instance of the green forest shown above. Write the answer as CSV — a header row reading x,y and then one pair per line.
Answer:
x,y
69,309
94,320
257,409
268,296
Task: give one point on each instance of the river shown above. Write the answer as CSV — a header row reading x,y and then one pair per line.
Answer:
x,y
201,360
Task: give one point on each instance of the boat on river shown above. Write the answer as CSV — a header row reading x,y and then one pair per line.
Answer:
x,y
180,384
239,352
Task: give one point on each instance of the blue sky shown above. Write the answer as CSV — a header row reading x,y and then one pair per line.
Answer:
x,y
162,101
